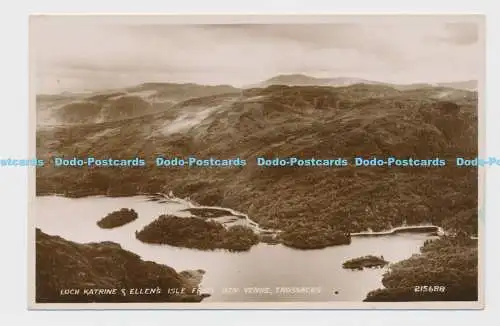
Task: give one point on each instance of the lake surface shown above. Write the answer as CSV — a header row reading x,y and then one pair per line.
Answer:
x,y
264,266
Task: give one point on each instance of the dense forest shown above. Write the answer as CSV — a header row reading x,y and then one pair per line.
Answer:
x,y
446,270
193,232
318,238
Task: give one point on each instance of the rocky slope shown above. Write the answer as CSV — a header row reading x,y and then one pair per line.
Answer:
x,y
104,272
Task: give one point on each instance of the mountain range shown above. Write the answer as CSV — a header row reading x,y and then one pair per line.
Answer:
x,y
304,80
148,98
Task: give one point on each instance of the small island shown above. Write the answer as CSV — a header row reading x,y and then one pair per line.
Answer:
x,y
369,261
118,218
195,233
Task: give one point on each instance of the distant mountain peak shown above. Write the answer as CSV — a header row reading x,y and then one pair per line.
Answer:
x,y
306,80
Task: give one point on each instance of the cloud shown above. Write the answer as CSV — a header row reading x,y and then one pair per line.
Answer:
x,y
90,54
461,33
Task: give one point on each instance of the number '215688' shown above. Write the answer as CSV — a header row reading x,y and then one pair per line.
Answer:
x,y
430,288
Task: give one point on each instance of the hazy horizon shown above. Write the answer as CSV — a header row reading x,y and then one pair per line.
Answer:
x,y
76,54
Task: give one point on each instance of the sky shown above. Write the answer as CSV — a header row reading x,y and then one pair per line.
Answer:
x,y
88,53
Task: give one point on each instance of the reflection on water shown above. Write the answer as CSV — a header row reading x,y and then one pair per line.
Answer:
x,y
264,266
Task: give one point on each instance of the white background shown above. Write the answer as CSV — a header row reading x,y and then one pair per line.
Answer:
x,y
13,181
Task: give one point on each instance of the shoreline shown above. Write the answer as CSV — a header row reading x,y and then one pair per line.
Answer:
x,y
165,198
107,273
402,229
161,197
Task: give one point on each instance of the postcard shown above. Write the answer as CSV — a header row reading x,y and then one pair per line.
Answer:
x,y
256,161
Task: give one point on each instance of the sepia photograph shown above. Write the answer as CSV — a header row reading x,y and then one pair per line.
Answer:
x,y
256,162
